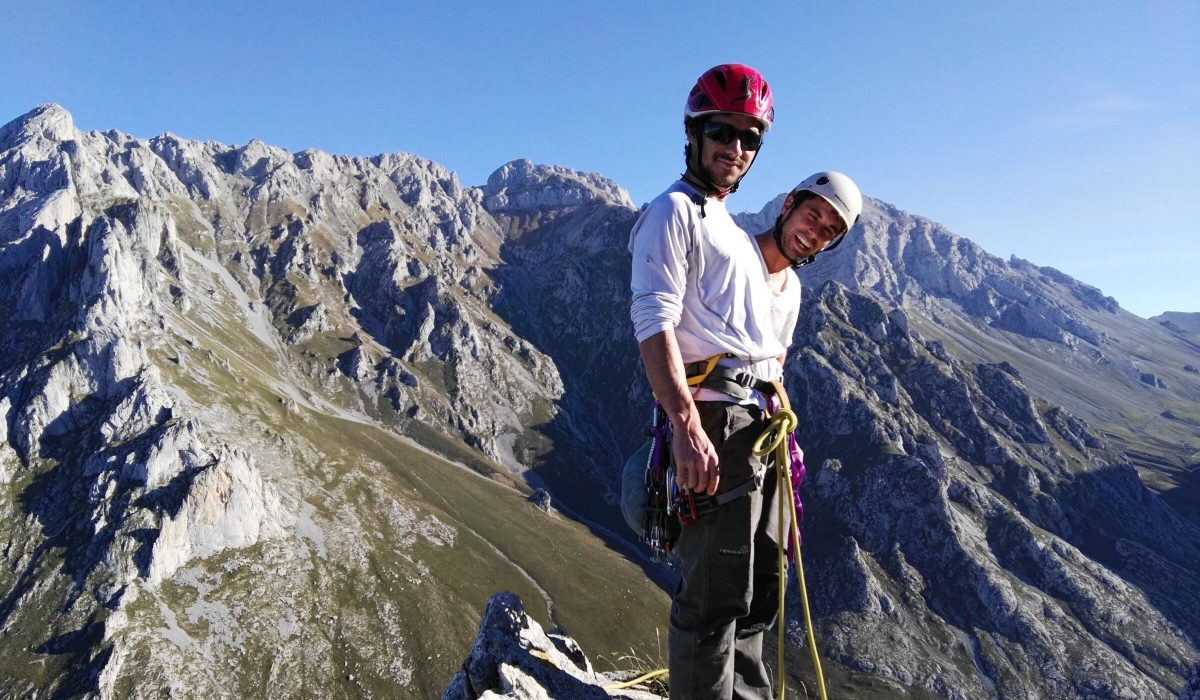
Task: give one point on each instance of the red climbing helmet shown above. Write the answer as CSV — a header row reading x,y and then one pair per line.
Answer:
x,y
732,88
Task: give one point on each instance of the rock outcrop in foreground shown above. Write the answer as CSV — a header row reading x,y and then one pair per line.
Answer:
x,y
513,658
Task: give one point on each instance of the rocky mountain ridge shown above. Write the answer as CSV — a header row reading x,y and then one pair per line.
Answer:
x,y
204,353
226,370
953,503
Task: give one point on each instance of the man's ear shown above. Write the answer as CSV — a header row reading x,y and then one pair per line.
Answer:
x,y
787,205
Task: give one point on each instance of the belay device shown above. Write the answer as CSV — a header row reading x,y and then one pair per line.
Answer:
x,y
647,489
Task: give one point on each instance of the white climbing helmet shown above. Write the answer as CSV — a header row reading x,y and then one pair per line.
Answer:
x,y
839,190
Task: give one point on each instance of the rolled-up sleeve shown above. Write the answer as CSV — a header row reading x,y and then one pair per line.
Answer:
x,y
659,244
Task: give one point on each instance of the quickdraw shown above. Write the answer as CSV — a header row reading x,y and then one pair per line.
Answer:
x,y
660,526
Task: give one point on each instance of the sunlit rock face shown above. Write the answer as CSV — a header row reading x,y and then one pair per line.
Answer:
x,y
227,374
513,657
162,292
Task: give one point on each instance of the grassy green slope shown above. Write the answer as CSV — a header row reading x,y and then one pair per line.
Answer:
x,y
377,588
398,614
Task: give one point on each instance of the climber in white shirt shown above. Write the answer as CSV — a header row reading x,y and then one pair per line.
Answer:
x,y
708,299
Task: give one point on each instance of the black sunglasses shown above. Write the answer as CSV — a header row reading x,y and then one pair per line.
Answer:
x,y
724,134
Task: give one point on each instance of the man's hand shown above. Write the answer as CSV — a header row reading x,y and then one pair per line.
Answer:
x,y
696,465
695,456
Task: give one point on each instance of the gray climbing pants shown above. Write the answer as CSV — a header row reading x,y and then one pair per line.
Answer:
x,y
728,594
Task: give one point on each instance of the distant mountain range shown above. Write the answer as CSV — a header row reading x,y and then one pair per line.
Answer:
x,y
272,421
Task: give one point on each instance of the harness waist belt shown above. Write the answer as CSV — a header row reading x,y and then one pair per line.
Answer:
x,y
729,381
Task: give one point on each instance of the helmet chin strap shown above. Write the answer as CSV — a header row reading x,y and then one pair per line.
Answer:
x,y
697,174
704,184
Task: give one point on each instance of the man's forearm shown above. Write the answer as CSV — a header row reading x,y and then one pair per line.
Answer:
x,y
695,459
664,368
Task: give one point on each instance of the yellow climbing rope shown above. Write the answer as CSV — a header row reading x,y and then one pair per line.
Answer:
x,y
774,438
640,679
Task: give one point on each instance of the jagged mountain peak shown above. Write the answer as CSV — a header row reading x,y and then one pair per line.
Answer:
x,y
192,328
522,185
49,127
48,121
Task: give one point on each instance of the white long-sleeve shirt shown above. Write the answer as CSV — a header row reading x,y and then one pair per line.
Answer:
x,y
705,278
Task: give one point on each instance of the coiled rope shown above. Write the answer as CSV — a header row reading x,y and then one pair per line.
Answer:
x,y
774,439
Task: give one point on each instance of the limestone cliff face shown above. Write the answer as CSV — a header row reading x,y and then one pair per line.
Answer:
x,y
135,486
390,250
954,510
564,286
78,382
1179,322
227,374
185,319
521,186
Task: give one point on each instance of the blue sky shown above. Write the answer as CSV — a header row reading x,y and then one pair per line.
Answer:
x,y
1066,133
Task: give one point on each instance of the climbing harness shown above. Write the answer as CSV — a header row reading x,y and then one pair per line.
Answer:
x,y
691,507
661,507
652,503
667,508
731,381
736,383
697,372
